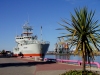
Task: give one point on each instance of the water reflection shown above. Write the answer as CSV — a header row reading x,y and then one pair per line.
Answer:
x,y
72,57
67,57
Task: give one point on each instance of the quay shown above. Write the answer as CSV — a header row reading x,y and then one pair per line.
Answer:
x,y
70,53
27,66
52,68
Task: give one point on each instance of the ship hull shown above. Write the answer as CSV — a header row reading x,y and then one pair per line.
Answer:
x,y
32,50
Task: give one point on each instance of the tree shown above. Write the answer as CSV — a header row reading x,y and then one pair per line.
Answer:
x,y
83,33
3,52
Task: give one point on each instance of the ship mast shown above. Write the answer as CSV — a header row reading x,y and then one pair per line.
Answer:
x,y
27,29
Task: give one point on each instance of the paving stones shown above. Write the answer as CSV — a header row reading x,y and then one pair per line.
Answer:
x,y
13,66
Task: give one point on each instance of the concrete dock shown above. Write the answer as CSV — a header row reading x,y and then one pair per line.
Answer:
x,y
23,66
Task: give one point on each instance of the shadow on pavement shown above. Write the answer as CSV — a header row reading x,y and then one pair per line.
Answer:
x,y
7,56
22,63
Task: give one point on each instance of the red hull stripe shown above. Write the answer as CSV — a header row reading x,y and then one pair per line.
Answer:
x,y
32,54
15,55
29,55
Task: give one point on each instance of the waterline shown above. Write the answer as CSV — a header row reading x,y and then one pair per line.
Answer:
x,y
71,57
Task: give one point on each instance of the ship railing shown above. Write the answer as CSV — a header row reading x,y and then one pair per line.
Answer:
x,y
31,42
45,42
36,42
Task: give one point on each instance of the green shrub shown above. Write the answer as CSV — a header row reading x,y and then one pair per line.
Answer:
x,y
79,72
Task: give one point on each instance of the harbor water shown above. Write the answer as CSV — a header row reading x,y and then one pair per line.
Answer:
x,y
70,57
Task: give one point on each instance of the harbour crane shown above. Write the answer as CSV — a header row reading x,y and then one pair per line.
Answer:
x,y
61,46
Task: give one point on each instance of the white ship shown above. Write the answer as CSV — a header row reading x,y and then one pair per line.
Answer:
x,y
28,45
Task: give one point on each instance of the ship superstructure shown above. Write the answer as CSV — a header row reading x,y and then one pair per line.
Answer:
x,y
28,45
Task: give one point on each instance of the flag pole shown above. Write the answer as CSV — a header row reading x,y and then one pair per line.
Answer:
x,y
41,34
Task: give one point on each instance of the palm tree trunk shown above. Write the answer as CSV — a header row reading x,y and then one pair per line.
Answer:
x,y
84,58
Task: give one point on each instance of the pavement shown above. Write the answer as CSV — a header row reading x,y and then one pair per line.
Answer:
x,y
58,68
14,66
27,66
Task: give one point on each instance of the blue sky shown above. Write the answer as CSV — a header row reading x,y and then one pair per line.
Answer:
x,y
45,13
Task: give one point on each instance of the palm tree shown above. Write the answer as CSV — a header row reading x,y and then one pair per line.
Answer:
x,y
83,33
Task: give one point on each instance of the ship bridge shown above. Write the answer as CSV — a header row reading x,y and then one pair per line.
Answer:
x,y
27,30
